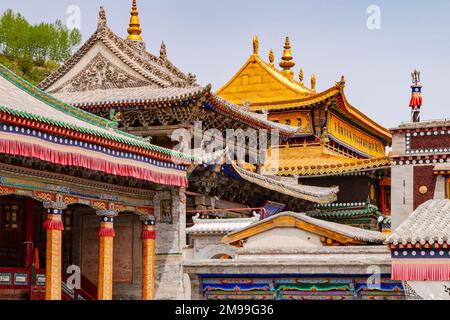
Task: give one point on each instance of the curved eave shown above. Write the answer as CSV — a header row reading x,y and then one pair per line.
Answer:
x,y
236,112
319,195
385,133
32,121
348,235
365,165
336,92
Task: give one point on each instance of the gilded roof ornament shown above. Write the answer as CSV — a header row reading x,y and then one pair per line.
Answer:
x,y
341,84
101,19
287,60
300,76
313,82
271,58
255,45
134,30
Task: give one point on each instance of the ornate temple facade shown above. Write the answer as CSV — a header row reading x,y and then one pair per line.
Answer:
x,y
420,243
289,256
132,101
336,143
77,191
173,224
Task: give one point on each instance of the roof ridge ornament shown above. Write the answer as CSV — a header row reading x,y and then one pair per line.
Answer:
x,y
341,83
134,30
313,82
300,76
163,52
287,60
271,58
101,19
255,45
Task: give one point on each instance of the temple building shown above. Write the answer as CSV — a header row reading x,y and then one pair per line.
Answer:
x,y
288,256
420,160
76,191
336,143
139,100
420,242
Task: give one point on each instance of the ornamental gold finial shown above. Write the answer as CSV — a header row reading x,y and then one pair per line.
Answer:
x,y
300,76
271,58
255,45
287,60
134,30
313,82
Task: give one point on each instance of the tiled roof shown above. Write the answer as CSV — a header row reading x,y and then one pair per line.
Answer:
x,y
145,94
158,71
319,160
21,98
366,211
264,85
429,224
219,226
233,110
309,193
356,234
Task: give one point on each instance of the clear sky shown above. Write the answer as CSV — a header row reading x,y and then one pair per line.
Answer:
x,y
213,38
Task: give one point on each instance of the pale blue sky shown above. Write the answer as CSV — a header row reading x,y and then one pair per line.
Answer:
x,y
212,39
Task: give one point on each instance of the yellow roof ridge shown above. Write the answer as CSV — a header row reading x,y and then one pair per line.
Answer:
x,y
276,74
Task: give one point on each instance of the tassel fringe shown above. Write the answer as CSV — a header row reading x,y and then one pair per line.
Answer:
x,y
79,160
421,272
148,234
51,224
106,232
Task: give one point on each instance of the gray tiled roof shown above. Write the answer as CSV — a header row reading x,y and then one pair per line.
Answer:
x,y
429,223
310,193
358,234
146,94
160,72
219,226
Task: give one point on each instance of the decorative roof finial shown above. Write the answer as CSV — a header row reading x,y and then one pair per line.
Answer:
x,y
101,19
415,77
271,58
416,96
313,82
286,60
300,76
134,31
255,45
163,51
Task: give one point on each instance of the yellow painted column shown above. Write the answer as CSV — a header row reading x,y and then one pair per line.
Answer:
x,y
148,237
54,227
105,258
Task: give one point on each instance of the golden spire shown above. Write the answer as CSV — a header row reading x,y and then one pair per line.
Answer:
x,y
313,82
134,31
255,45
271,58
287,60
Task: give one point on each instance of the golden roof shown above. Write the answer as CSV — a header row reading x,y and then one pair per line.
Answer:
x,y
264,87
318,160
260,82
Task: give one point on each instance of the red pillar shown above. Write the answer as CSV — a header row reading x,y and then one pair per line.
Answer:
x,y
27,236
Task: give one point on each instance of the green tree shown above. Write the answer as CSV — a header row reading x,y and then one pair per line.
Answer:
x,y
33,51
